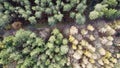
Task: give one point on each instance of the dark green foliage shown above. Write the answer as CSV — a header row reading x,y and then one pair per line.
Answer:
x,y
67,7
54,11
107,9
24,45
4,19
56,50
8,41
80,19
111,3
110,13
30,51
33,11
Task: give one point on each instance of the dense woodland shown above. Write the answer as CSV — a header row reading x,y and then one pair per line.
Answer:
x,y
59,33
